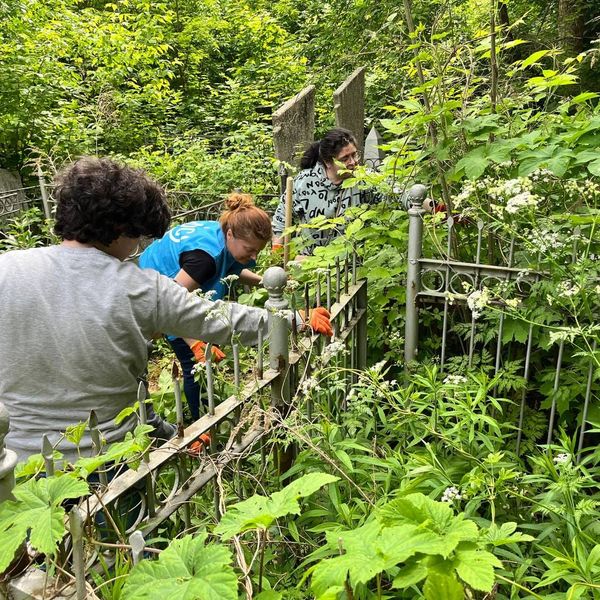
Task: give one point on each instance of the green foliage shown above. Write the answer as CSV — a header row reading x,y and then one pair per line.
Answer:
x,y
187,569
36,514
259,512
421,537
28,229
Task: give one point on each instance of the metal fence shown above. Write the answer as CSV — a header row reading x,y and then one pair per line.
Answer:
x,y
445,278
169,476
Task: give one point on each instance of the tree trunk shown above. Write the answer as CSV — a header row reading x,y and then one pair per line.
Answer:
x,y
571,25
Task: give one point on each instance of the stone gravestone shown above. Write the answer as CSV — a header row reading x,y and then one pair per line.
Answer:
x,y
294,126
373,155
349,105
12,196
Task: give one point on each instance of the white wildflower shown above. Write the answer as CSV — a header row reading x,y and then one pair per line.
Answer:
x,y
521,200
332,350
377,367
512,302
562,335
478,300
230,279
455,380
310,384
451,494
292,285
566,289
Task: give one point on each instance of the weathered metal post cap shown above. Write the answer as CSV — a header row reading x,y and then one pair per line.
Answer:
x,y
275,280
416,195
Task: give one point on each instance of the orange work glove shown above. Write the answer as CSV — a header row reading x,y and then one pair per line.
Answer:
x,y
202,443
198,349
276,247
320,321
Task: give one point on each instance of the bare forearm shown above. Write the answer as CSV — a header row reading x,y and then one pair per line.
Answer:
x,y
248,277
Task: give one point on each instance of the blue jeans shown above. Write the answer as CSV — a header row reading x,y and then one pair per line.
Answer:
x,y
191,388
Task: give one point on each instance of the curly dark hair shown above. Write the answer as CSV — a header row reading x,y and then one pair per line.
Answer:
x,y
99,200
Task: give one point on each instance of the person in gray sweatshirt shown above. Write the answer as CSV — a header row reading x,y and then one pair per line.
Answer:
x,y
76,317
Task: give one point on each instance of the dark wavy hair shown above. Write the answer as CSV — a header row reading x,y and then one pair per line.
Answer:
x,y
326,149
99,200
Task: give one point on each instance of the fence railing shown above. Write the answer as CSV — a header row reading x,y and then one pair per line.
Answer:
x,y
447,280
169,476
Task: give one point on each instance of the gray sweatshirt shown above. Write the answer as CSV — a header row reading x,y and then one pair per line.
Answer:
x,y
74,327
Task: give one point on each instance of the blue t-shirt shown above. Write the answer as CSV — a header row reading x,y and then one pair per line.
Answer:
x,y
163,255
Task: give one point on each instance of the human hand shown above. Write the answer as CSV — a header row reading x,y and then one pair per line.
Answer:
x,y
202,443
320,321
198,349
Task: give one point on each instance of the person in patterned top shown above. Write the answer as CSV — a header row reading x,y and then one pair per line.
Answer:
x,y
318,190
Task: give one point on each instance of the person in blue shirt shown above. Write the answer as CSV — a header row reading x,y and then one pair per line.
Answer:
x,y
200,255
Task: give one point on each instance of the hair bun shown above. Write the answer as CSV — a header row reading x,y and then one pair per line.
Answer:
x,y
238,201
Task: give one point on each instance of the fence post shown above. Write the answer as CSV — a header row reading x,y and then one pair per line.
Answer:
x,y
414,203
44,191
8,459
76,529
274,281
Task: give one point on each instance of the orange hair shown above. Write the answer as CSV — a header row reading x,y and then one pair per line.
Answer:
x,y
245,219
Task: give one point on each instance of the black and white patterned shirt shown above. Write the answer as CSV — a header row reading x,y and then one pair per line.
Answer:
x,y
315,195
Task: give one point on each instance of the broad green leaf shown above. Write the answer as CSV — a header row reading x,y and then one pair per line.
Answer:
x,y
260,512
410,576
442,585
474,163
36,512
594,167
476,568
186,570
417,509
361,566
398,544
354,539
533,58
505,534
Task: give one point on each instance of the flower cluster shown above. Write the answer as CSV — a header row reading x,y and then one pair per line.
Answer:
x,y
562,459
230,279
519,201
478,300
451,494
333,349
309,385
566,289
455,380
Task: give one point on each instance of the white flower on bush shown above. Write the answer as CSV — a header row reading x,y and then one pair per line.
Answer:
x,y
310,384
464,195
512,302
478,300
519,201
377,367
451,494
230,279
332,350
562,458
562,335
567,289
455,380
209,295
291,285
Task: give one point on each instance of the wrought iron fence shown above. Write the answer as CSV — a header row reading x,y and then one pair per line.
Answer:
x,y
169,476
446,278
